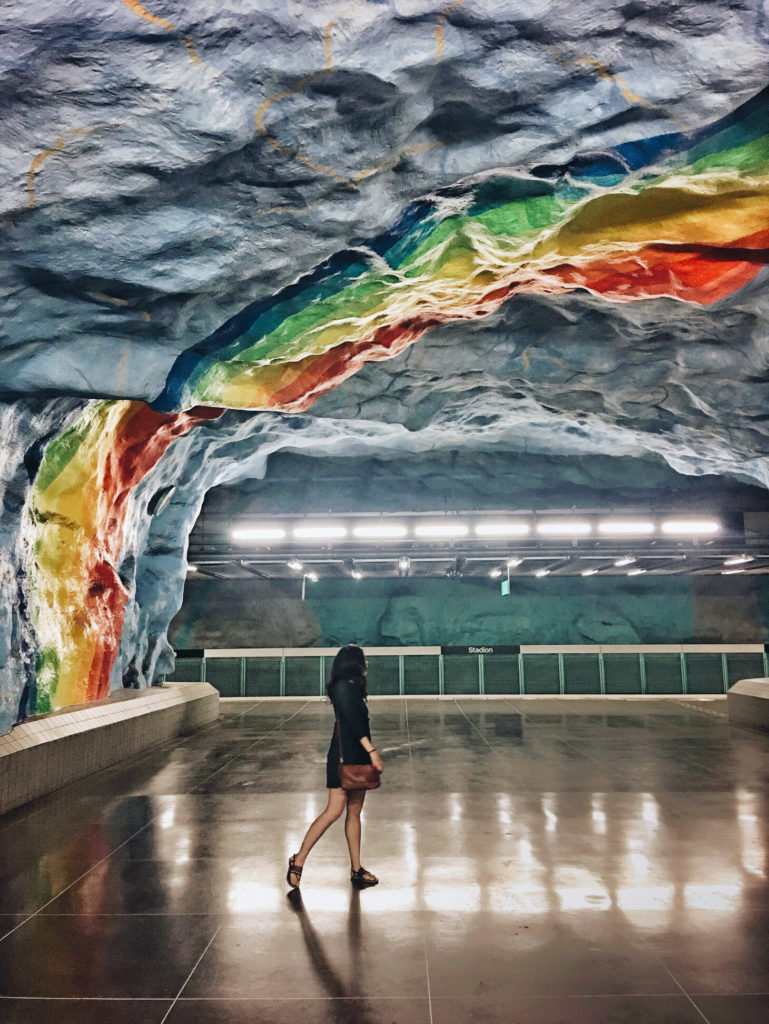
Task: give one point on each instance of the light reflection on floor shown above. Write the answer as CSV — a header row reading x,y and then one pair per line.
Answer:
x,y
541,862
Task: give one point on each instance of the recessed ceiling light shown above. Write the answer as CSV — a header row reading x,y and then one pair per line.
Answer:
x,y
258,533
690,527
627,560
383,531
502,529
588,572
320,532
564,528
626,527
295,564
542,572
441,530
739,560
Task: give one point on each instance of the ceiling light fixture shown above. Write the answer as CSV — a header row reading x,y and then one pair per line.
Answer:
x,y
439,530
258,533
295,564
625,527
588,572
542,572
380,532
514,562
739,560
356,574
312,576
690,527
192,568
495,573
731,572
502,529
320,532
564,528
404,564
627,560
636,572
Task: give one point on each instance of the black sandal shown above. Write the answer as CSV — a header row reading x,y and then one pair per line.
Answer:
x,y
293,869
363,879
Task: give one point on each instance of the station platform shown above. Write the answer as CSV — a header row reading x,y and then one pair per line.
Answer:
x,y
542,861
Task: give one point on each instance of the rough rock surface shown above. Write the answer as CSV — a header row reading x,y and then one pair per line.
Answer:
x,y
170,165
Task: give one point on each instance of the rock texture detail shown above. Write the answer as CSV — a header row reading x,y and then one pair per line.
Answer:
x,y
252,208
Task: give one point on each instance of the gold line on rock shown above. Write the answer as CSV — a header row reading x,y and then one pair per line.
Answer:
x,y
142,12
606,75
537,355
259,118
327,35
193,54
439,41
56,148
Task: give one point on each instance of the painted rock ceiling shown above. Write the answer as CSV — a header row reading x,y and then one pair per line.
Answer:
x,y
390,227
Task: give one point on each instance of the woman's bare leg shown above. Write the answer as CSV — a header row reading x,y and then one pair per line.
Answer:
x,y
332,813
355,798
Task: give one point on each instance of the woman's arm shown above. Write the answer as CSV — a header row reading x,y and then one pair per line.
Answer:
x,y
350,706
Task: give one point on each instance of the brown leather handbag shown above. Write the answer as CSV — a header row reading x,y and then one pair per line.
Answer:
x,y
356,776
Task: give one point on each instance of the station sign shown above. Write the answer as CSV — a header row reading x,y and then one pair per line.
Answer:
x,y
483,649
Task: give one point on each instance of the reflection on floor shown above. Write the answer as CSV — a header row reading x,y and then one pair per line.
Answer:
x,y
541,862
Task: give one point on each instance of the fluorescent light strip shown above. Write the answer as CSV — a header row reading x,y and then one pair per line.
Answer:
x,y
320,532
439,530
731,572
258,533
502,529
383,532
739,560
542,572
564,528
690,527
588,572
625,528
624,561
636,572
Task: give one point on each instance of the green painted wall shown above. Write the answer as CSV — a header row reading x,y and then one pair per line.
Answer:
x,y
563,611
612,610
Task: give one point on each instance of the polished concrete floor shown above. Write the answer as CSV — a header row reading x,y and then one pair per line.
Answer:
x,y
541,862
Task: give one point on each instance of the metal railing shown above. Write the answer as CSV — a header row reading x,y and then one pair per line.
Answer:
x,y
533,670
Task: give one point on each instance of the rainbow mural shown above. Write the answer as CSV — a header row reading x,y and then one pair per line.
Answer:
x,y
683,216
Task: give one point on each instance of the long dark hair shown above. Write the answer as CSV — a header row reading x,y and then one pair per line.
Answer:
x,y
349,663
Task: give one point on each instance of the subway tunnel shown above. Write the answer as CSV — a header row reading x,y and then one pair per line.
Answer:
x,y
441,329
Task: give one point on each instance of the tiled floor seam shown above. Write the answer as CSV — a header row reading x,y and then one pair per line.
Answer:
x,y
93,867
187,979
249,748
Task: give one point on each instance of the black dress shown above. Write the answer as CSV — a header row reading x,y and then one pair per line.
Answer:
x,y
352,714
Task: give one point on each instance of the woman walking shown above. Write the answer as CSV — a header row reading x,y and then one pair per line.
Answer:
x,y
352,739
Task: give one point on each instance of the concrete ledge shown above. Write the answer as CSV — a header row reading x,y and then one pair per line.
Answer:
x,y
749,703
41,755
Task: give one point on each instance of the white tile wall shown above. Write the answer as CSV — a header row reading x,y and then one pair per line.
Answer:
x,y
38,757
